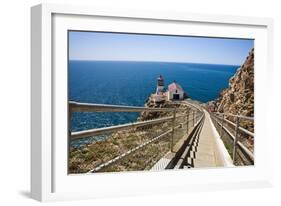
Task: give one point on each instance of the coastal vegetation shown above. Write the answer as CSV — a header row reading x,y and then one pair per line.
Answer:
x,y
83,159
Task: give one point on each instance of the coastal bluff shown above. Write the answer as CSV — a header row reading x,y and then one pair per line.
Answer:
x,y
91,155
238,98
165,104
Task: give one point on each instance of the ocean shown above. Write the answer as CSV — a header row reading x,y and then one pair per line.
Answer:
x,y
131,83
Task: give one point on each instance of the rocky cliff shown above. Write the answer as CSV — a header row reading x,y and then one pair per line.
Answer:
x,y
238,98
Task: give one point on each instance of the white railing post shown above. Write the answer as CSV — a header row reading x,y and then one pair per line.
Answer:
x,y
235,140
173,130
193,115
222,121
187,120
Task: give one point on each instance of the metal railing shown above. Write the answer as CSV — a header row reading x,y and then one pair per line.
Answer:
x,y
180,159
235,132
176,117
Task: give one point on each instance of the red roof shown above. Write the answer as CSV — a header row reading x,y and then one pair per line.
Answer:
x,y
175,86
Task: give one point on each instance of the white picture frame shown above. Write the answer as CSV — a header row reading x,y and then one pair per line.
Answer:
x,y
49,181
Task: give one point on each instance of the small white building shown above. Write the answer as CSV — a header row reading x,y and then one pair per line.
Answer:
x,y
175,92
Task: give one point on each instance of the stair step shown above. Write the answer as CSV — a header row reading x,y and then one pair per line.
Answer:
x,y
192,155
189,161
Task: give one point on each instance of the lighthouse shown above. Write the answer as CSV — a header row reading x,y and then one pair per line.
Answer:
x,y
160,85
159,96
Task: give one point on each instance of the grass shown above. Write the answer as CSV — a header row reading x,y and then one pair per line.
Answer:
x,y
92,155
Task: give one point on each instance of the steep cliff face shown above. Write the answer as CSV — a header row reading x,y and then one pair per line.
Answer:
x,y
238,98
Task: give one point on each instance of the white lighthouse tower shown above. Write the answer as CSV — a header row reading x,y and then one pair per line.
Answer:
x,y
160,85
160,94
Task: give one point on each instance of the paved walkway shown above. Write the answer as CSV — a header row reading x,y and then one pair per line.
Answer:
x,y
209,149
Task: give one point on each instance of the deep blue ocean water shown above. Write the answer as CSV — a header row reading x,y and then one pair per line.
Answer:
x,y
131,83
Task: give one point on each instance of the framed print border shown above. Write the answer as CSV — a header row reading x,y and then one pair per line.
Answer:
x,y
46,176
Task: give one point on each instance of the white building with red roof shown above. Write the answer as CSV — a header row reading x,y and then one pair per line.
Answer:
x,y
175,92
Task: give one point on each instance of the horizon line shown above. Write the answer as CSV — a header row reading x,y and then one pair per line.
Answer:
x,y
153,61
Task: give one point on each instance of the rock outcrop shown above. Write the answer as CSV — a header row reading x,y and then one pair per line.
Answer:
x,y
166,104
238,98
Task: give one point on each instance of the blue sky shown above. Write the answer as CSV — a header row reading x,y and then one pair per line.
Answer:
x,y
138,47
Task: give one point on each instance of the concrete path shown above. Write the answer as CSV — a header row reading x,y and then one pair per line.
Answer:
x,y
209,150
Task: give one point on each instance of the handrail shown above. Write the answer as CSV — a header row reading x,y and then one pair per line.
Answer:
x,y
98,131
123,155
120,157
240,128
181,155
233,115
245,149
236,143
192,105
89,107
